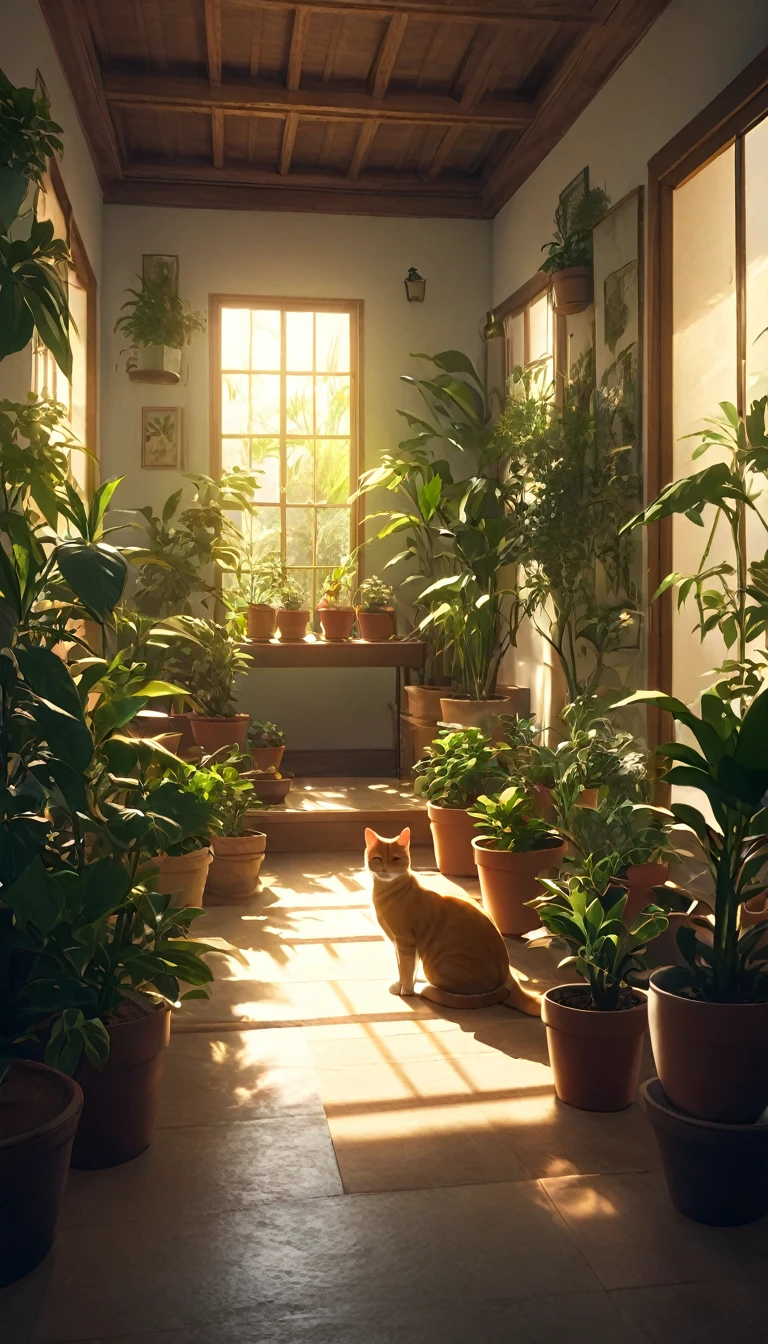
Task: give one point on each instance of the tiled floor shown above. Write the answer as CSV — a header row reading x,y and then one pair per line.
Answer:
x,y
337,1165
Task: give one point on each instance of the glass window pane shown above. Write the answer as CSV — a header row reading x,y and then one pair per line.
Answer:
x,y
234,403
298,342
515,329
235,338
265,533
303,578
333,535
265,458
299,412
332,405
300,470
756,176
332,486
332,342
265,403
299,538
265,338
540,328
236,453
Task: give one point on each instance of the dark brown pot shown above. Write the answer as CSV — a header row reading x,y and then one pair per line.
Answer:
x,y
292,625
264,757
377,625
212,732
640,879
120,1101
337,622
509,879
716,1174
483,714
261,622
572,289
237,861
710,1057
595,1056
452,831
182,723
39,1111
270,790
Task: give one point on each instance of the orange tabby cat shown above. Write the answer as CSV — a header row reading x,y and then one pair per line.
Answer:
x,y
460,949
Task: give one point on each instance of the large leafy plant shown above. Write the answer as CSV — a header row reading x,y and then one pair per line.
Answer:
x,y
571,244
509,822
627,833
208,664
28,139
221,783
155,315
460,765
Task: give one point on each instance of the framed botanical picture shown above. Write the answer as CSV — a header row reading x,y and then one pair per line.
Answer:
x,y
575,192
152,262
161,442
618,264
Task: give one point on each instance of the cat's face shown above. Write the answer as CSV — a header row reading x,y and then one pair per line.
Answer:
x,y
387,859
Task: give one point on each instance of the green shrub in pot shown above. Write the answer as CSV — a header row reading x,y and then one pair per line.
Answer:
x,y
154,315
238,849
633,837
460,765
512,847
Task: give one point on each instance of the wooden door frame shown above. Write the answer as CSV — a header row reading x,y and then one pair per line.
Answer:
x,y
729,116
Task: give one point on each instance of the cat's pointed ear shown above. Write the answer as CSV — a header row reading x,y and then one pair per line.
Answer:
x,y
371,838
404,838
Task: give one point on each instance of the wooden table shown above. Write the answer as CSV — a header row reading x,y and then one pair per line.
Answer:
x,y
400,654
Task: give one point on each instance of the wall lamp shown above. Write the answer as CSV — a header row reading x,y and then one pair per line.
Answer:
x,y
415,286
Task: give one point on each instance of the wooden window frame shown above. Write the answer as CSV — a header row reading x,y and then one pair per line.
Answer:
x,y
355,309
723,123
520,302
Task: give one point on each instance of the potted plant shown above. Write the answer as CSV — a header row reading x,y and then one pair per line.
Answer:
x,y
182,866
266,744
460,765
292,612
238,850
569,254
335,610
216,660
595,1028
375,610
262,582
270,785
638,835
158,325
512,848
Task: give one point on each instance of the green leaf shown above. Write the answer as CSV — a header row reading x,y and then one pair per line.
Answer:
x,y
95,573
35,898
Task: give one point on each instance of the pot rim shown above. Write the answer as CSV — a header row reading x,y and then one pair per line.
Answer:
x,y
70,1111
293,611
572,270
614,1013
217,718
441,807
470,700
698,1005
664,1107
481,842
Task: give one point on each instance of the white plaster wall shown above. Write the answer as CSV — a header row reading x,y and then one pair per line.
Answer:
x,y
25,47
306,256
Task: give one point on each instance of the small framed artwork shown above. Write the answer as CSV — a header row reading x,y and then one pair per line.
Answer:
x,y
572,195
152,262
161,442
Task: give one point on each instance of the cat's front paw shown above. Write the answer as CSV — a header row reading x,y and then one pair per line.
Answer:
x,y
395,988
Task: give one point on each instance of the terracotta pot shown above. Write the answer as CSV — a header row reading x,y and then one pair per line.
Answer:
x,y
39,1111
264,757
182,876
709,1056
572,289
508,879
261,622
337,622
292,624
181,723
422,735
149,723
377,625
480,713
270,790
640,879
716,1174
544,801
237,860
595,1056
423,703
452,833
212,732
120,1101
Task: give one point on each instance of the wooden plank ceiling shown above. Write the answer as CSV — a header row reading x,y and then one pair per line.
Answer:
x,y
412,107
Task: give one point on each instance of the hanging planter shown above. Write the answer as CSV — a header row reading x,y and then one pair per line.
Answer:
x,y
155,364
158,325
572,290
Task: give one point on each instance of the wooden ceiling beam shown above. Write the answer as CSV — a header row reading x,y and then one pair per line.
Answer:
x,y
298,43
153,28
485,64
386,56
362,149
212,16
188,94
240,173
217,136
448,11
257,32
336,41
421,202
72,38
289,139
440,155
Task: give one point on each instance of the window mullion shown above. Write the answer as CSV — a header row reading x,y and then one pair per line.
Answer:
x,y
283,432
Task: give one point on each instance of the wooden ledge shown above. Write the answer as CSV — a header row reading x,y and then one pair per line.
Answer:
x,y
314,652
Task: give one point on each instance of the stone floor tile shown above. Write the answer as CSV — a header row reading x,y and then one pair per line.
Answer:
x,y
697,1313
225,1077
20,1303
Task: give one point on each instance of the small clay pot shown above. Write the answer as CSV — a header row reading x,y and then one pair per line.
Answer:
x,y
377,625
120,1101
708,1055
183,876
452,832
337,622
716,1174
264,757
149,723
237,860
39,1111
595,1056
482,714
572,289
212,732
268,789
423,704
640,879
261,622
509,879
292,625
